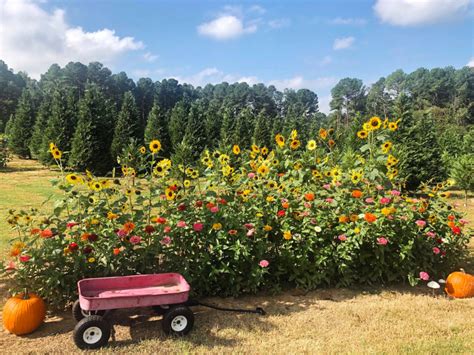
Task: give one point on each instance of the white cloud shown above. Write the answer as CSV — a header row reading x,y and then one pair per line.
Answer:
x,y
343,43
279,23
471,63
419,12
299,82
213,75
226,27
150,57
323,103
31,39
348,21
257,9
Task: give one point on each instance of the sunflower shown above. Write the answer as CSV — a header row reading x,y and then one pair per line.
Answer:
x,y
264,151
392,173
142,150
170,195
226,170
187,183
128,192
444,194
336,173
159,170
316,174
224,159
57,154
311,145
236,149
105,183
263,169
375,123
155,146
331,143
330,131
295,144
255,149
52,147
323,133
275,162
272,184
294,134
393,126
328,173
195,174
392,160
356,176
386,147
280,140
95,185
206,161
73,179
297,166
363,134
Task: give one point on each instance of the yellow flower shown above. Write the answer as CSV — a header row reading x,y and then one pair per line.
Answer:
x,y
263,169
111,215
356,176
311,145
255,149
267,228
73,179
392,160
316,174
366,127
386,147
287,235
91,260
270,199
236,149
142,150
57,154
170,195
336,173
95,186
375,123
67,251
264,151
357,230
280,140
272,184
186,183
362,134
294,134
52,147
226,170
297,166
393,126
217,226
295,144
323,133
155,146
259,214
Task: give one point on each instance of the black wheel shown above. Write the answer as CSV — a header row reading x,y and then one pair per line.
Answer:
x,y
161,310
78,313
178,320
92,332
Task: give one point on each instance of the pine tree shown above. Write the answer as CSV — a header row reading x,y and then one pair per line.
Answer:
x,y
21,129
60,126
91,141
157,128
195,134
177,123
227,127
44,113
127,126
261,133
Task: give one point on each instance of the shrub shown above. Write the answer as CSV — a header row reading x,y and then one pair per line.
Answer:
x,y
462,172
4,153
242,220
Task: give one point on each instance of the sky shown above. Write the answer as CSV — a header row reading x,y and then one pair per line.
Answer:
x,y
290,44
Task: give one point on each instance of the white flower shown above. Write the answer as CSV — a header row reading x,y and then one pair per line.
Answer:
x,y
318,229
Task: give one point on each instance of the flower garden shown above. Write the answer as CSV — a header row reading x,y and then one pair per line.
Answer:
x,y
241,220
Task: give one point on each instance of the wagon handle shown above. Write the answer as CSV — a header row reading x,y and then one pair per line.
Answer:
x,y
257,310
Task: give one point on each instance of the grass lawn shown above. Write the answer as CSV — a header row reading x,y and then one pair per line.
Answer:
x,y
382,320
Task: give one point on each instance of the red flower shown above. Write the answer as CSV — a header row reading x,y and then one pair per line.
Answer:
x,y
149,229
47,233
160,220
309,196
24,258
167,229
232,232
128,227
87,250
198,203
209,205
92,237
281,213
116,251
223,201
456,230
198,227
451,217
173,187
181,207
369,217
73,246
35,231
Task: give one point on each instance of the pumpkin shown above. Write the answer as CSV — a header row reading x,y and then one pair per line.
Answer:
x,y
23,313
460,285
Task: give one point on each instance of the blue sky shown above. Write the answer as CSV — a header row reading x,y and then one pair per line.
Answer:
x,y
291,44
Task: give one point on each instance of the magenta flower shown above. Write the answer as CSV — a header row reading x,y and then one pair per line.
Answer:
x,y
431,234
166,240
463,221
327,186
167,229
181,224
248,225
436,250
424,276
71,224
214,209
382,241
395,193
135,239
198,227
420,223
122,233
251,175
263,263
25,258
342,237
385,200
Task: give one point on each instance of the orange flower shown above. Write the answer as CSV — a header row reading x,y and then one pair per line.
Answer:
x,y
357,193
285,205
343,219
85,237
451,224
354,217
128,227
116,251
35,231
369,217
47,233
309,196
15,252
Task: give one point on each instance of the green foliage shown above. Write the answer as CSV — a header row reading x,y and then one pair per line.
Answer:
x,y
21,129
127,126
462,172
157,128
4,153
42,118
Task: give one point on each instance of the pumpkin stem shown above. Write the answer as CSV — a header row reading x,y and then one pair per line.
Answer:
x,y
26,296
462,270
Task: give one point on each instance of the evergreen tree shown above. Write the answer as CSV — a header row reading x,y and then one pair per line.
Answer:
x,y
42,117
91,142
157,128
21,129
177,123
195,134
261,133
227,127
127,126
60,126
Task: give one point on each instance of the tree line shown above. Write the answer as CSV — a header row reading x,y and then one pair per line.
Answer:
x,y
92,114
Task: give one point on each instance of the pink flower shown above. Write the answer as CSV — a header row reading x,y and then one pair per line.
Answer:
x,y
385,200
307,205
214,209
382,241
135,239
181,224
436,250
71,224
395,193
198,227
248,225
369,200
250,232
263,263
166,240
24,258
122,233
379,187
327,186
338,183
167,229
420,223
11,266
342,237
251,175
424,276
313,221
431,234
329,200
463,221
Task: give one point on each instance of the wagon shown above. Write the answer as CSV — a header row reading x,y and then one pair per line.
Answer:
x,y
167,293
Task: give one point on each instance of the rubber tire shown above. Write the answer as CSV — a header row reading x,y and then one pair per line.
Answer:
x,y
77,312
87,322
171,314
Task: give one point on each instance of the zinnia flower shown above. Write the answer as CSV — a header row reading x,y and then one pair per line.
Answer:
x,y
281,213
369,217
214,209
135,239
24,258
395,193
420,223
232,232
181,224
166,240
436,250
382,241
424,276
198,227
385,200
356,193
263,263
342,237
456,230
46,233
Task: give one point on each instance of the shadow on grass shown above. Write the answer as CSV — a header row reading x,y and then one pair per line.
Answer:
x,y
20,169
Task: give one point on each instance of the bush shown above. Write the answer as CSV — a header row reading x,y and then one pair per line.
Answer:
x,y
242,221
4,153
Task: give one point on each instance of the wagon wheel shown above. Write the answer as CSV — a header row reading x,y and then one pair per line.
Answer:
x,y
92,332
161,310
179,320
78,313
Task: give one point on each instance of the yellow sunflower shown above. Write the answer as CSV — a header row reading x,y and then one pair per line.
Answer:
x,y
336,173
73,179
263,169
255,149
375,123
57,154
297,166
393,126
363,134
323,133
264,151
311,145
356,176
295,144
155,146
170,195
386,147
236,149
280,140
186,183
272,184
294,134
142,150
316,174
95,186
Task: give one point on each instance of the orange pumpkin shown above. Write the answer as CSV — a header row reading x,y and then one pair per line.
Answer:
x,y
23,313
460,285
